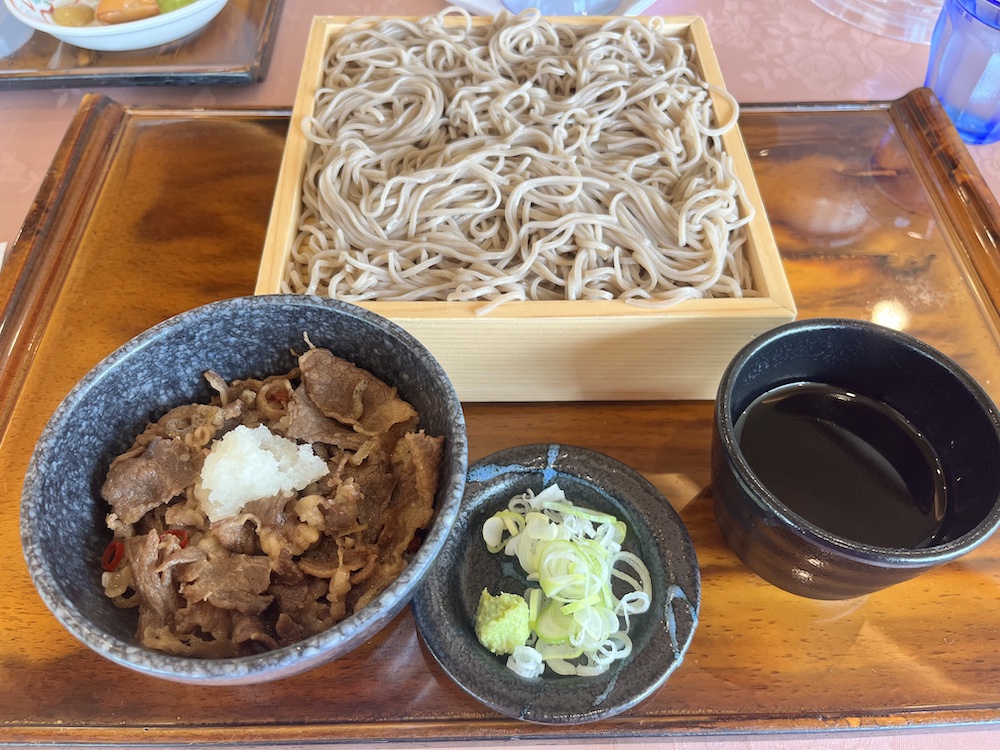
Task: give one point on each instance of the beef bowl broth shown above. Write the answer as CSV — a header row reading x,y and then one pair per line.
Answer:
x,y
246,490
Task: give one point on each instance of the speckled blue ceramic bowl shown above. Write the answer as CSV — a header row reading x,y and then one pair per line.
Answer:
x,y
62,514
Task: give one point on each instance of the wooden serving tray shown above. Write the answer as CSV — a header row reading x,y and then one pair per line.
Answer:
x,y
879,213
234,48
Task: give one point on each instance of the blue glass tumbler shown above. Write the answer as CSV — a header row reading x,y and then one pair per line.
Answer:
x,y
964,67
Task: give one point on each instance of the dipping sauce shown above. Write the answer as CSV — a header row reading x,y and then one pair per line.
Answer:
x,y
847,463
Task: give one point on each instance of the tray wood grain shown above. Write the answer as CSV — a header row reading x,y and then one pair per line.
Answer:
x,y
869,226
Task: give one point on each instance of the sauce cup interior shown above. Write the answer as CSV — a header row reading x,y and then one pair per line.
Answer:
x,y
947,409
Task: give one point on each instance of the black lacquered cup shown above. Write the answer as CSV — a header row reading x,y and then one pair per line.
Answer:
x,y
948,408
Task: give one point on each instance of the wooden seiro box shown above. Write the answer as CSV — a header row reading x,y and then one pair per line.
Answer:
x,y
563,350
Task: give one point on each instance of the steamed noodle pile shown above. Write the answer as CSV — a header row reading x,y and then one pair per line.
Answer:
x,y
521,159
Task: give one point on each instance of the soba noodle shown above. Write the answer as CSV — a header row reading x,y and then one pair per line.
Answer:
x,y
518,160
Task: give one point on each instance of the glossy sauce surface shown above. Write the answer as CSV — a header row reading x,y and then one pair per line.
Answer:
x,y
851,465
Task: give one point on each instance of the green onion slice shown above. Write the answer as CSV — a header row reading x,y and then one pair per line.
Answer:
x,y
578,624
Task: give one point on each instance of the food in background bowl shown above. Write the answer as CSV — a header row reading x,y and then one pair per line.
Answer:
x,y
171,22
63,517
86,12
271,513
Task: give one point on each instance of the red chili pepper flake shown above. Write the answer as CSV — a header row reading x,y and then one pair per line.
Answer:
x,y
181,535
113,555
415,543
280,396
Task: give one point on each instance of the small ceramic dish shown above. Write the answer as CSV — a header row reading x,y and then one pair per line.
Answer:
x,y
445,605
148,32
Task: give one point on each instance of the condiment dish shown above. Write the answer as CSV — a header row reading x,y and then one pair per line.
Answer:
x,y
446,604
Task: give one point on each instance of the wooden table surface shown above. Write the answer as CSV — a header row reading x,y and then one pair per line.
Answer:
x,y
868,227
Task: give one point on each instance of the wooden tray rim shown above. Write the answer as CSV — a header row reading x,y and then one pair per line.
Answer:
x,y
693,724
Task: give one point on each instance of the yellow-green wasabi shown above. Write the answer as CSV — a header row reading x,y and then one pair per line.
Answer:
x,y
502,622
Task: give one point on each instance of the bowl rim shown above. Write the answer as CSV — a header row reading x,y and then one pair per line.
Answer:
x,y
111,30
287,660
889,557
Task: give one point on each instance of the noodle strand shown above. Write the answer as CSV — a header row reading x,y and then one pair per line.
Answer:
x,y
520,159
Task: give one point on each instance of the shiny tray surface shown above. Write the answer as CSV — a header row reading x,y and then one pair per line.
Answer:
x,y
878,213
233,48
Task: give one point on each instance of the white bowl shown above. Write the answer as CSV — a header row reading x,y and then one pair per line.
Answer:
x,y
149,32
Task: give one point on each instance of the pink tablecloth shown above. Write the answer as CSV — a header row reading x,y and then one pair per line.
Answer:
x,y
769,51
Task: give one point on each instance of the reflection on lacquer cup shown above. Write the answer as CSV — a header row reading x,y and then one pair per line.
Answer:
x,y
847,457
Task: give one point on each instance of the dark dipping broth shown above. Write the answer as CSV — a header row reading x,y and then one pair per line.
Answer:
x,y
849,464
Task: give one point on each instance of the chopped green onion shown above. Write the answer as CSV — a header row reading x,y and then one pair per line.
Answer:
x,y
578,625
534,597
526,662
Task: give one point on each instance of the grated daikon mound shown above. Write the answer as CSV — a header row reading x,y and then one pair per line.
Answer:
x,y
252,464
